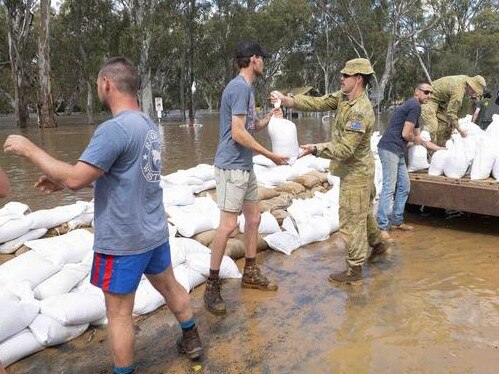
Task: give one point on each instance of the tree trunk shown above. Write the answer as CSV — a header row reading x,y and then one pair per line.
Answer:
x,y
19,18
46,117
90,104
182,86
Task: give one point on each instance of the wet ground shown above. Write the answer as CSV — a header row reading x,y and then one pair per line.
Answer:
x,y
431,307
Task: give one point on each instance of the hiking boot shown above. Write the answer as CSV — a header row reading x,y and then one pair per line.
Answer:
x,y
385,236
352,275
212,299
253,278
379,250
190,344
403,227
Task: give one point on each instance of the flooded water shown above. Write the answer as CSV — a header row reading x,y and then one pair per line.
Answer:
x,y
431,307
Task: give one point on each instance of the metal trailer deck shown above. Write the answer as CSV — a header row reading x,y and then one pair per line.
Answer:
x,y
475,196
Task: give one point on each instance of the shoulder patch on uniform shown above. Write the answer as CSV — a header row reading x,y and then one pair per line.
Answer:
x,y
355,125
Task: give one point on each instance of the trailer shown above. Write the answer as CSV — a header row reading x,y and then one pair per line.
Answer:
x,y
464,194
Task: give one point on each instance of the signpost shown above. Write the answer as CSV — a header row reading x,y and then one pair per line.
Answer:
x,y
158,103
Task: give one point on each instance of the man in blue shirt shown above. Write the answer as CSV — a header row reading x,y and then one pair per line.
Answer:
x,y
237,189
123,161
403,128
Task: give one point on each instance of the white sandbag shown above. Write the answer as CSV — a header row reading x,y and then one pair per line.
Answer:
x,y
177,195
172,230
495,169
333,194
207,185
16,316
49,218
268,224
13,222
75,308
204,172
68,248
272,176
284,138
284,242
50,332
63,281
492,130
85,218
312,162
457,162
197,257
438,162
30,266
378,175
418,155
19,346
263,161
485,158
192,219
187,277
180,177
14,244
375,138
147,298
16,291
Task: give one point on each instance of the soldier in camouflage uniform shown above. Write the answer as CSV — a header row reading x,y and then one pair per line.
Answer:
x,y
439,116
352,160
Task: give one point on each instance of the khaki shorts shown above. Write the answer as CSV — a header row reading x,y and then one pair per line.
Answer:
x,y
235,187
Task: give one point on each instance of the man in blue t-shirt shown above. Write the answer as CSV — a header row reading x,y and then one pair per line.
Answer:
x,y
236,182
402,128
123,161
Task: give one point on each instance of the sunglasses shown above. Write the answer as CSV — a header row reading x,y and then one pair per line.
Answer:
x,y
348,75
426,92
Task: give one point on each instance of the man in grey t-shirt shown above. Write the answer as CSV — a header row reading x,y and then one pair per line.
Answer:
x,y
131,236
236,182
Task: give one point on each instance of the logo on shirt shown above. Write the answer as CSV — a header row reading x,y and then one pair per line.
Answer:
x,y
151,157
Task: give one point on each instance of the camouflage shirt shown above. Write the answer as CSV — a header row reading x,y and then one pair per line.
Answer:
x,y
448,93
350,145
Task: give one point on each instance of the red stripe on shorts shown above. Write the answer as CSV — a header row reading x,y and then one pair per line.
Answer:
x,y
107,273
95,275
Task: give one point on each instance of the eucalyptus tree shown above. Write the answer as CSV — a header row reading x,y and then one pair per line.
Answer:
x,y
19,15
45,107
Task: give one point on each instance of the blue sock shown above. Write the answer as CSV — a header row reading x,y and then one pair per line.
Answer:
x,y
189,324
127,370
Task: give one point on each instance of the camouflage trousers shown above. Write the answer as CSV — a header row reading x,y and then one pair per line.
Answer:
x,y
434,120
358,224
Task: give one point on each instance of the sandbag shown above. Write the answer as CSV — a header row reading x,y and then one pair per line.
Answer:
x,y
495,169
308,180
284,242
13,222
205,237
438,162
279,215
48,218
63,281
265,193
457,162
191,219
284,138
147,298
282,201
187,277
204,172
30,266
263,161
16,315
235,248
68,248
85,219
13,245
268,223
19,346
289,187
484,160
177,195
75,308
207,185
50,332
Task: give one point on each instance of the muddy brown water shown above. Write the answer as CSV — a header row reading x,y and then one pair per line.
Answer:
x,y
431,307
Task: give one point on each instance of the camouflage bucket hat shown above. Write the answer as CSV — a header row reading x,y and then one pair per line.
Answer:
x,y
477,83
357,66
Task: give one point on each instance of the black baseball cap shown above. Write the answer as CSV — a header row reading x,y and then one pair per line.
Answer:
x,y
250,47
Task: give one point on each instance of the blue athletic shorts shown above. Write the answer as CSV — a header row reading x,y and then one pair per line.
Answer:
x,y
121,274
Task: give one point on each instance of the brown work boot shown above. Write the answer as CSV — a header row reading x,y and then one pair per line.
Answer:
x,y
212,299
403,227
190,344
352,275
385,236
381,249
253,278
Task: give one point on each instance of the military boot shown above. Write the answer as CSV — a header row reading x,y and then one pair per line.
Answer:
x,y
212,299
190,344
379,250
352,275
253,278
